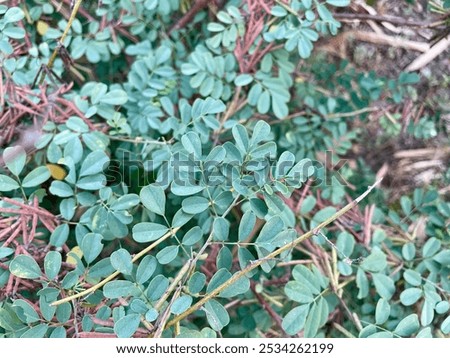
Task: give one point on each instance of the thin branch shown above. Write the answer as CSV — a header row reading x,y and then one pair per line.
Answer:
x,y
52,59
391,19
429,56
272,255
198,6
275,316
117,273
393,41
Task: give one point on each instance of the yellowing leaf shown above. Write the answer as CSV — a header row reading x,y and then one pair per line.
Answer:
x,y
42,27
76,251
57,171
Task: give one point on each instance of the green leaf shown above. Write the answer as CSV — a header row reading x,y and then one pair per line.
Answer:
x,y
224,17
216,315
167,254
13,14
427,314
191,142
25,266
157,287
295,320
381,335
154,199
340,3
38,331
115,97
307,3
121,261
246,225
303,275
120,288
263,105
126,326
70,280
312,323
308,204
146,232
431,247
261,132
382,311
196,282
5,252
92,246
151,315
322,215
92,182
221,228
367,331
363,283
146,269
193,236
442,307
61,189
63,312
278,11
25,311
412,277
384,285
224,259
215,27
195,204
279,106
14,32
407,326
301,171
36,177
345,243
94,163
406,205
443,258
375,262
60,235
241,286
126,202
52,264
47,296
77,125
7,183
409,251
270,230
138,306
14,158
243,80
101,269
181,304
298,292
324,13
445,326
240,136
185,190
181,218
425,333
220,277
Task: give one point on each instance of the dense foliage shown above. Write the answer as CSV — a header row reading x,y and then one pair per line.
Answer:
x,y
179,151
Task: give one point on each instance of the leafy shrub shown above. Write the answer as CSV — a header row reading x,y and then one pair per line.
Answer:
x,y
176,190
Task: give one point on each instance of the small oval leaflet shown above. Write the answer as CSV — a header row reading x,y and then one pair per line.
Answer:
x,y
25,266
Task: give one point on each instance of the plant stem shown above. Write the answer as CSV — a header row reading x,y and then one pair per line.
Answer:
x,y
272,255
52,59
117,273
